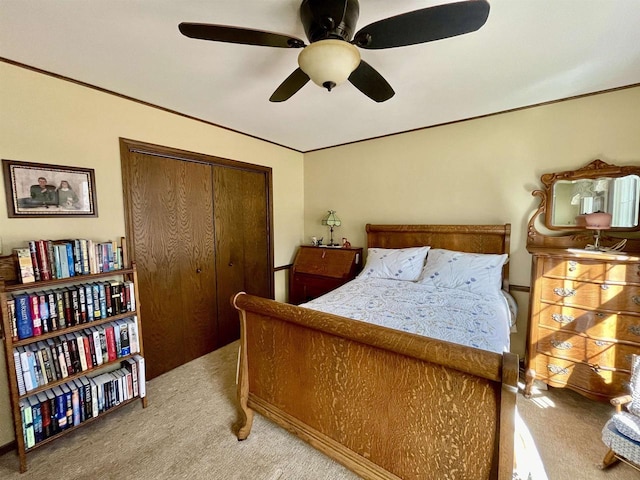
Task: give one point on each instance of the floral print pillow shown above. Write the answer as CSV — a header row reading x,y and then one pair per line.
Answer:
x,y
394,263
479,273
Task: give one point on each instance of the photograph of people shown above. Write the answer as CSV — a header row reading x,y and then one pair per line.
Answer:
x,y
66,196
40,195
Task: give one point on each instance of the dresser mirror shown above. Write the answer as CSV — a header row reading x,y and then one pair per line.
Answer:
x,y
596,187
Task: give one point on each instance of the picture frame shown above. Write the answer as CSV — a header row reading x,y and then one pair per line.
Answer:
x,y
39,190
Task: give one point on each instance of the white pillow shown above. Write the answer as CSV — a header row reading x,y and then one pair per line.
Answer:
x,y
473,272
394,263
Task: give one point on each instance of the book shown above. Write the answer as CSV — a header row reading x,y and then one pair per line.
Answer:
x,y
53,310
24,324
134,340
26,414
51,399
61,408
125,347
19,375
62,320
55,361
49,364
68,402
62,260
11,309
79,339
142,389
52,259
34,260
34,306
45,413
75,305
75,403
88,292
41,378
111,343
43,260
43,309
37,418
28,369
131,365
25,265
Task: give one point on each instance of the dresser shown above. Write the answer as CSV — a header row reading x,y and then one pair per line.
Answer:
x,y
584,320
318,270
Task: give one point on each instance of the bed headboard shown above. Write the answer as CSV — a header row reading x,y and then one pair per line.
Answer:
x,y
462,238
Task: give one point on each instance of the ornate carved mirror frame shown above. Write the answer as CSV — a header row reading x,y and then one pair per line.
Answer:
x,y
573,236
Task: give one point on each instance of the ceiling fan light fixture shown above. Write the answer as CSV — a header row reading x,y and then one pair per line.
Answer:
x,y
329,63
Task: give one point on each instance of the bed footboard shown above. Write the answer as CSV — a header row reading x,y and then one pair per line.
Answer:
x,y
384,403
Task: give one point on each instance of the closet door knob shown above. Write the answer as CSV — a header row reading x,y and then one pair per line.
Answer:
x,y
231,264
198,270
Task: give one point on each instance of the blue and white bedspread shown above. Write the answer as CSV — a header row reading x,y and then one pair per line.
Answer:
x,y
480,321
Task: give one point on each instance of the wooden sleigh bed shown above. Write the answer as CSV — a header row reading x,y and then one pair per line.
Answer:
x,y
385,403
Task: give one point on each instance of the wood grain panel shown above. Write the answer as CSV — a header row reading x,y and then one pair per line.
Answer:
x,y
242,242
597,325
608,297
386,403
171,208
592,270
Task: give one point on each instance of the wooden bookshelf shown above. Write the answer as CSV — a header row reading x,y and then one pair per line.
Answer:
x,y
10,286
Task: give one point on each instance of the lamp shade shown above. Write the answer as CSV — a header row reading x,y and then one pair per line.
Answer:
x,y
331,219
329,62
594,221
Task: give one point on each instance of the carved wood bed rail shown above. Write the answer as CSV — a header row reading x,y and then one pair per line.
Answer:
x,y
386,404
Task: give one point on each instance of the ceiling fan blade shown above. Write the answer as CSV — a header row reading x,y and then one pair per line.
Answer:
x,y
367,79
246,36
426,25
290,86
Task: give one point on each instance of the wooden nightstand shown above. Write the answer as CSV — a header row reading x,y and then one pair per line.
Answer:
x,y
318,270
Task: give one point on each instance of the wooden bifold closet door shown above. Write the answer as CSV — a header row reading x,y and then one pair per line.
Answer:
x,y
199,232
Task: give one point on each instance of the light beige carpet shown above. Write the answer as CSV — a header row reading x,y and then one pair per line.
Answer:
x,y
186,433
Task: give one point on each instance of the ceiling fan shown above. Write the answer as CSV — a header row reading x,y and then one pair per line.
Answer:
x,y
332,57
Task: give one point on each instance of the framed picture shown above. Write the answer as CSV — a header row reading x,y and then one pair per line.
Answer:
x,y
41,190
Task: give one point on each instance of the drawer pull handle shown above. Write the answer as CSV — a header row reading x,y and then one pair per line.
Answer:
x,y
634,329
595,368
564,292
604,286
562,319
556,370
600,315
572,265
636,299
561,345
601,343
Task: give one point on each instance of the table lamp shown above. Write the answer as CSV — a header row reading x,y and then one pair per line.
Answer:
x,y
331,220
595,221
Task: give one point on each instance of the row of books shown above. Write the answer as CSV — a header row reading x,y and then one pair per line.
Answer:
x,y
36,313
54,359
76,401
51,259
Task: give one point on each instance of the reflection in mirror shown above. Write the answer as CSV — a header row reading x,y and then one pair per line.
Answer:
x,y
618,196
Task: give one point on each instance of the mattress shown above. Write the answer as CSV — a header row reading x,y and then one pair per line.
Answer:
x,y
480,321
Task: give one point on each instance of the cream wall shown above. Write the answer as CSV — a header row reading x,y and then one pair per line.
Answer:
x,y
46,120
478,171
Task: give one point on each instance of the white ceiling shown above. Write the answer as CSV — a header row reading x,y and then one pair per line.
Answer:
x,y
528,52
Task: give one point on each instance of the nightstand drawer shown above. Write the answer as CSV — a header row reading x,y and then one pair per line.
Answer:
x,y
591,270
601,296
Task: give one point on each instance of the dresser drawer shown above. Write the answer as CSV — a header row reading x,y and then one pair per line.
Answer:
x,y
559,373
598,296
587,350
592,270
598,325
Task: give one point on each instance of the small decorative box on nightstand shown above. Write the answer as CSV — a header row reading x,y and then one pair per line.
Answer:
x,y
318,270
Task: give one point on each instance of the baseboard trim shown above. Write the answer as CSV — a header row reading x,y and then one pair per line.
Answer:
x,y
6,448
